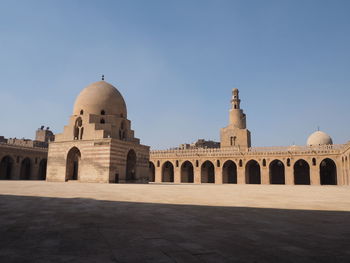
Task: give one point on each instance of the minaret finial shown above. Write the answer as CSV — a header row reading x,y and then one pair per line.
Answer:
x,y
103,77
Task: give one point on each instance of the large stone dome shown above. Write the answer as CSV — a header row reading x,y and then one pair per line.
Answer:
x,y
100,96
319,138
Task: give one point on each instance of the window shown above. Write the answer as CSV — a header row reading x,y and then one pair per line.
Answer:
x,y
103,112
264,162
218,163
197,163
313,161
102,121
81,112
240,163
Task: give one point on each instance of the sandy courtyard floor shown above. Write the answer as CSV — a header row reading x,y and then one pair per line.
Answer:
x,y
76,222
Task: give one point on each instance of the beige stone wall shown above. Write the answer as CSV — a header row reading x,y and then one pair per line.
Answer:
x,y
264,157
93,166
17,154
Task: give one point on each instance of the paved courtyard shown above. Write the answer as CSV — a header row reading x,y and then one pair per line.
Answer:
x,y
75,222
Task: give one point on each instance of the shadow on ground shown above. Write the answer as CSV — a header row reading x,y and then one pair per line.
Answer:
x,y
40,229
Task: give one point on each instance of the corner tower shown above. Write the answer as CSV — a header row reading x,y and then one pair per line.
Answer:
x,y
98,144
236,134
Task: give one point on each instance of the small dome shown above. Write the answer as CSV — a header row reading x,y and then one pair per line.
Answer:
x,y
100,97
319,138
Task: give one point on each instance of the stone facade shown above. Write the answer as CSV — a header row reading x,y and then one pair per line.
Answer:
x,y
24,159
237,162
98,144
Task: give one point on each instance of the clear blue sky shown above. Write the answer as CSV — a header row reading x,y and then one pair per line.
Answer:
x,y
176,62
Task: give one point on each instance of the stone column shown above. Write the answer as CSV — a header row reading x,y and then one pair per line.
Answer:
x,y
158,174
16,171
314,175
340,173
218,175
177,175
265,175
289,175
197,175
240,175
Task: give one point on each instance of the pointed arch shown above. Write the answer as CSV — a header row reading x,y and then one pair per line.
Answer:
x,y
187,174
328,172
26,167
152,172
42,169
252,172
301,172
73,164
168,172
6,168
277,172
130,174
229,172
207,172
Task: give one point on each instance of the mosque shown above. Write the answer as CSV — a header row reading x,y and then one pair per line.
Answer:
x,y
98,145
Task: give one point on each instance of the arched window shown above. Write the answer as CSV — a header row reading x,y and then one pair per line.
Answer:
x,y
81,112
240,163
264,162
313,161
217,163
103,112
102,121
177,163
288,162
77,129
122,131
158,163
197,163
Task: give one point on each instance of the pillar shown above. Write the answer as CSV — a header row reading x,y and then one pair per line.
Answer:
x,y
177,174
265,177
197,175
289,175
158,174
314,175
218,175
241,175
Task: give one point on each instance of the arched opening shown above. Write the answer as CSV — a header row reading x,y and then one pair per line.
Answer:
x,y
73,162
25,172
42,169
103,112
207,172
301,172
187,175
102,121
78,135
229,173
277,175
252,172
130,166
152,172
81,112
168,172
6,168
122,132
328,172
